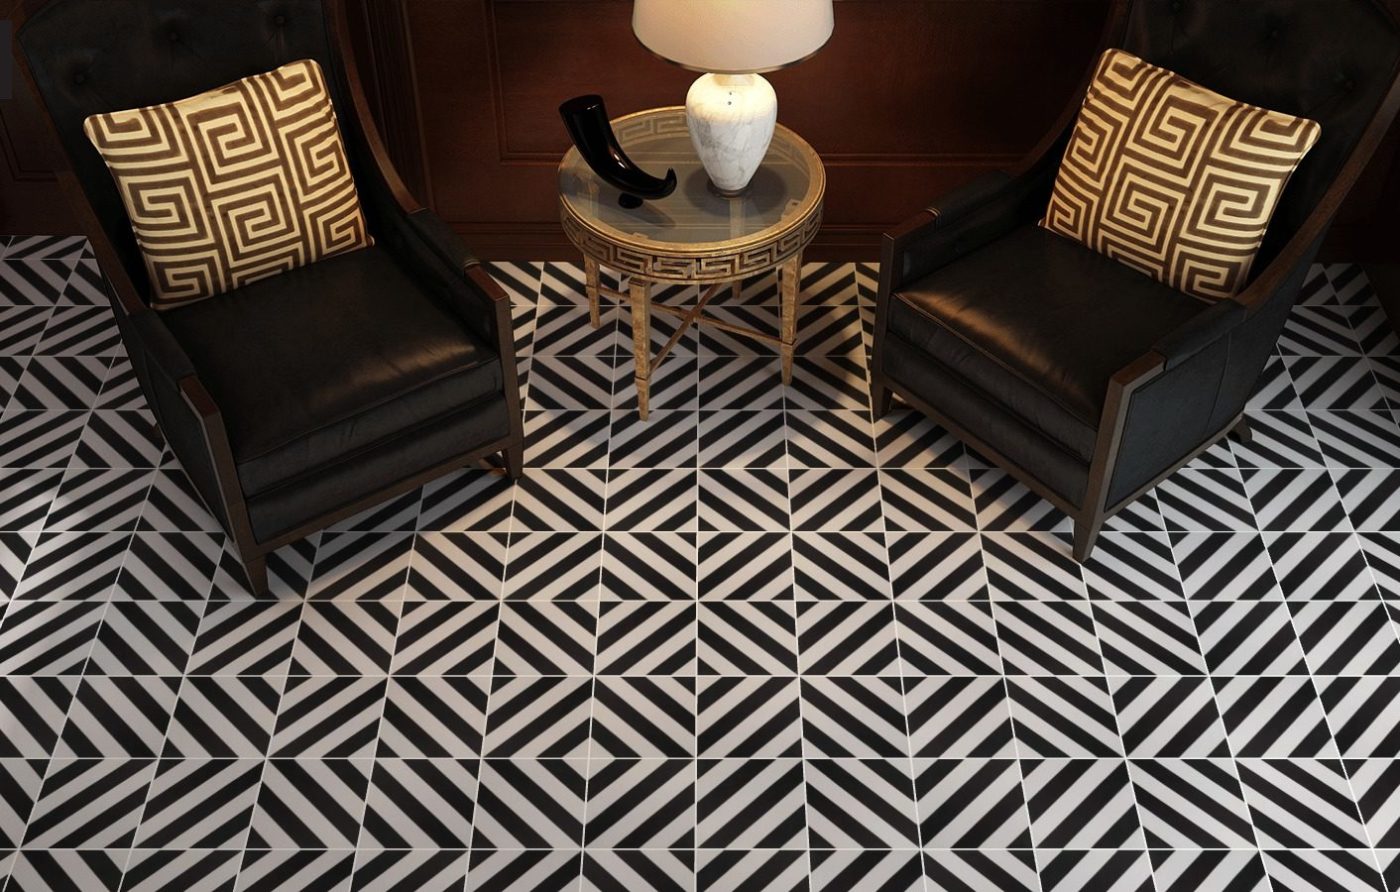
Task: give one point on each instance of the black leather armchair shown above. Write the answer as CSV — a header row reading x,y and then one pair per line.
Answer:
x,y
300,399
1086,380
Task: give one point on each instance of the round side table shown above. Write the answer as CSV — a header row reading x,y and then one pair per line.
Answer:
x,y
694,235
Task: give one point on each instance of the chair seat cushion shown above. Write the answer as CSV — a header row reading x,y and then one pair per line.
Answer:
x,y
326,360
1040,324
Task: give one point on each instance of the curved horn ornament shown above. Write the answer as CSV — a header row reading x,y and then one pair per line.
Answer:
x,y
586,119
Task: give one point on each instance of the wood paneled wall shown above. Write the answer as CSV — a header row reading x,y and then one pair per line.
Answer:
x,y
910,98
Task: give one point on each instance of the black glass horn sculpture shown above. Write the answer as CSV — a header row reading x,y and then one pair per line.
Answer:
x,y
586,119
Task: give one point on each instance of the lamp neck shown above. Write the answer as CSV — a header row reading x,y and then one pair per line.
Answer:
x,y
734,80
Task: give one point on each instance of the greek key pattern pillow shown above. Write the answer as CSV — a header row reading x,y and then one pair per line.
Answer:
x,y
1173,179
234,185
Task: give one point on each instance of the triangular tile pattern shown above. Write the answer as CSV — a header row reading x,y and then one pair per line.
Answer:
x,y
760,641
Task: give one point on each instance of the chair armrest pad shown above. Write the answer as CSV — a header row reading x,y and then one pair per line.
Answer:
x,y
1202,330
160,346
438,237
963,220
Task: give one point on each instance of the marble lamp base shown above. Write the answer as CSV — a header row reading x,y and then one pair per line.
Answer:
x,y
731,118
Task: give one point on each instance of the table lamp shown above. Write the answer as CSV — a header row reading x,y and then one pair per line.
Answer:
x,y
731,109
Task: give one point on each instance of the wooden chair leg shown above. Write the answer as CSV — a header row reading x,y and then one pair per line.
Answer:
x,y
881,399
1242,431
256,571
514,459
1086,533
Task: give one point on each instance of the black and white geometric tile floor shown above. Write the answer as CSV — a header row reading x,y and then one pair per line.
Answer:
x,y
758,642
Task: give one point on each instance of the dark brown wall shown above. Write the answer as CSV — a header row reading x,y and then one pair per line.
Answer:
x,y
910,98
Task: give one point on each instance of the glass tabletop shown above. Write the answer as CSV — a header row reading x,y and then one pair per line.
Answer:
x,y
786,184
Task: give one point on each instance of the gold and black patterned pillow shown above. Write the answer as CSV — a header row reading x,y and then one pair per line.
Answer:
x,y
1173,179
233,185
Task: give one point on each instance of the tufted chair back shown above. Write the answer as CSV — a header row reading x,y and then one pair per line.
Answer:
x,y
91,56
1329,60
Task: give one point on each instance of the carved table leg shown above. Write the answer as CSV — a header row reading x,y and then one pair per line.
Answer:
x,y
736,290
590,269
640,294
789,283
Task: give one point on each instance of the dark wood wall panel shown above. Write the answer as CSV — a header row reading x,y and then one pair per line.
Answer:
x,y
910,98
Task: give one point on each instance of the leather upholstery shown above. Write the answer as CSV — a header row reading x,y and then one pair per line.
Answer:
x,y
1329,60
1040,323
439,440
326,360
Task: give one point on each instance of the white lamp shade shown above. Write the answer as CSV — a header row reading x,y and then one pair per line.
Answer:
x,y
732,36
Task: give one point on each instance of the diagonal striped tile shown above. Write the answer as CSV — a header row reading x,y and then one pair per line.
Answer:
x,y
1318,566
1132,567
646,638
456,566
345,638
446,638
930,500
745,566
169,567
847,716
1121,871
835,500
750,804
533,717
741,439
644,717
25,497
328,717
647,500
20,328
1168,717
971,803
1347,638
80,331
1300,803
470,500
936,566
1006,870
572,382
200,804
89,804
1280,440
1357,439
39,439
492,868
740,382
1326,871
1335,383
563,566
908,439
1364,715
641,803
753,638
840,566
860,803
546,638
60,382
1289,499
1065,716
1372,498
99,501
667,439
310,804
953,638
958,717
828,382
433,717
73,566
419,804
295,869
1047,638
1224,566
20,780
361,566
831,439
1248,638
198,870
145,639
1273,716
32,712
1006,504
217,717
846,638
1205,501
173,505
245,638
748,717
665,871
1081,803
558,500
1031,566
1148,638
530,803
735,499
47,638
